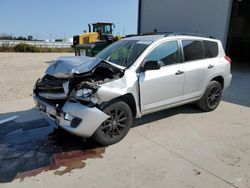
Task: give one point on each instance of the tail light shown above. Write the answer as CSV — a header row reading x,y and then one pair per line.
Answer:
x,y
228,59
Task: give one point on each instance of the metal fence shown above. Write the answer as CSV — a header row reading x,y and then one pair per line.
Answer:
x,y
41,44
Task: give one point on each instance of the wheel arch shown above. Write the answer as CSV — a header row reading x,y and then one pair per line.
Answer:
x,y
127,98
219,79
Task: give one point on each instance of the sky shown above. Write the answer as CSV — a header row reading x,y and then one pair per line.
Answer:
x,y
45,19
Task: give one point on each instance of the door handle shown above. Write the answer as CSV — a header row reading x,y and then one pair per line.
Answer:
x,y
179,72
210,66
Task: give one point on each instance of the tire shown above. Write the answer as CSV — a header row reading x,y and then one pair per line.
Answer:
x,y
211,98
116,127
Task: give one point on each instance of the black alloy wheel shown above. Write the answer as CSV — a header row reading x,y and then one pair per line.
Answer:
x,y
116,126
211,98
214,96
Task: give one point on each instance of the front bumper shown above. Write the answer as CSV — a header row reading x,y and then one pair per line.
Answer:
x,y
73,117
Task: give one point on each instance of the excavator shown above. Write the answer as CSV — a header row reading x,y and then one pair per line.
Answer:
x,y
98,37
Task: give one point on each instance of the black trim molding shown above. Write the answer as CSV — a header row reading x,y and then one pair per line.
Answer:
x,y
139,17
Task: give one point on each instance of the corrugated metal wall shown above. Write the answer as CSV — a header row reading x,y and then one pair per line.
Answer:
x,y
210,17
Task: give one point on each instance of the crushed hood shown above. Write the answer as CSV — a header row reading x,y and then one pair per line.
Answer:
x,y
64,67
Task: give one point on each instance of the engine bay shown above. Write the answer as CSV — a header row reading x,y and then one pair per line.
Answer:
x,y
79,87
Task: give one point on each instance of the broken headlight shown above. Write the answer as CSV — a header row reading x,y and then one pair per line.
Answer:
x,y
85,95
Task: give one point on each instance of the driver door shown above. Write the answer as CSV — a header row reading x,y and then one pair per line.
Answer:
x,y
159,88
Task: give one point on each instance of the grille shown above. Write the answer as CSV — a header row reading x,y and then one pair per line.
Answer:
x,y
50,85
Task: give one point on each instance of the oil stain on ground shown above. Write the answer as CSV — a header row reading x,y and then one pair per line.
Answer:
x,y
29,148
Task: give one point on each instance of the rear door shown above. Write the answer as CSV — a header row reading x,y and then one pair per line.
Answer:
x,y
197,68
162,87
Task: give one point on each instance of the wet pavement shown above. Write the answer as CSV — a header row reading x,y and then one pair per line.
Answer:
x,y
29,148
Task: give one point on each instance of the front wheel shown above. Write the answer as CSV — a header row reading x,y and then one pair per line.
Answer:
x,y
116,127
211,97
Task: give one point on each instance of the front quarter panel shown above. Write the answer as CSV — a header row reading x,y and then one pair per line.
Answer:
x,y
128,84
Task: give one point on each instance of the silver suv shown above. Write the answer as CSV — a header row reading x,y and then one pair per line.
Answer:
x,y
99,97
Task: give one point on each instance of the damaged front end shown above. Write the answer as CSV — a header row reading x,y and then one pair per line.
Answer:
x,y
68,93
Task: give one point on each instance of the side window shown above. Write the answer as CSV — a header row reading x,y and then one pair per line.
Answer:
x,y
211,49
167,53
193,50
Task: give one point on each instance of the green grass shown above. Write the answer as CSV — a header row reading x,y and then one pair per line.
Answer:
x,y
56,50
22,47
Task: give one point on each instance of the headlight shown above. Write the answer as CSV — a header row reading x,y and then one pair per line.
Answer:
x,y
85,95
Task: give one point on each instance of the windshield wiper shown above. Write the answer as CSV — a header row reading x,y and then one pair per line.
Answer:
x,y
115,65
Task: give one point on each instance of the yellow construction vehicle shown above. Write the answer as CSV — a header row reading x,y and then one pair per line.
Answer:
x,y
100,32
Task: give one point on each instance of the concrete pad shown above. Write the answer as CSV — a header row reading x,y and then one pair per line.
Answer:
x,y
180,147
135,162
183,150
219,144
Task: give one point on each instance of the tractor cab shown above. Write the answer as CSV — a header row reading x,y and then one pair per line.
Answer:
x,y
105,31
100,31
100,35
105,28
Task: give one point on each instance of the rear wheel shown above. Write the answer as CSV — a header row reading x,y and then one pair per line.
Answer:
x,y
117,126
211,97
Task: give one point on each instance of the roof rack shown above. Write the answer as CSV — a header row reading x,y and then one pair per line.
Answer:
x,y
157,33
166,34
190,34
132,35
149,33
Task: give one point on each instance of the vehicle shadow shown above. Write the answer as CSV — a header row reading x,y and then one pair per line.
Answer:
x,y
185,109
31,147
32,144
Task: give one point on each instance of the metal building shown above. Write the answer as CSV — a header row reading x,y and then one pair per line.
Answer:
x,y
227,20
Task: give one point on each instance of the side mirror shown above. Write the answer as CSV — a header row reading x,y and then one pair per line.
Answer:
x,y
151,65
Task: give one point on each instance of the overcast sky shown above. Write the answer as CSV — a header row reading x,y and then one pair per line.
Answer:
x,y
55,18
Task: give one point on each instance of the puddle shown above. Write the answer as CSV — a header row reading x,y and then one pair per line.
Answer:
x,y
30,148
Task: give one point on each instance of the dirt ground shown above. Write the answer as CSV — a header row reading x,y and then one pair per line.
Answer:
x,y
19,72
179,147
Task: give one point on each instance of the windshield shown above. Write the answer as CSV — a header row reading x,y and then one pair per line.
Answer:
x,y
123,52
102,28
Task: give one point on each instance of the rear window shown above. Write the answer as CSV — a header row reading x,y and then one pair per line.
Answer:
x,y
211,49
193,50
